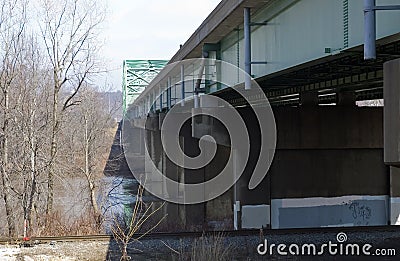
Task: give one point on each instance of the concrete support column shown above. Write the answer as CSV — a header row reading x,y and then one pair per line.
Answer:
x,y
254,204
328,168
237,190
155,152
391,85
158,157
394,208
134,137
147,158
391,95
172,171
195,214
176,213
142,133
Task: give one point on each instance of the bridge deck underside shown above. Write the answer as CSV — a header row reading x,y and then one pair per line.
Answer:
x,y
346,71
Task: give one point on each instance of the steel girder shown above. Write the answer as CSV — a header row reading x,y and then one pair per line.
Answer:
x,y
137,74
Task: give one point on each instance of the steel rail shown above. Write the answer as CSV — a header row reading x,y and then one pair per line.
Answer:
x,y
230,233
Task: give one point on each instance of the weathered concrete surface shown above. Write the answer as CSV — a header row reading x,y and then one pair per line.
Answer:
x,y
334,151
331,156
391,93
328,173
394,196
331,211
329,127
322,152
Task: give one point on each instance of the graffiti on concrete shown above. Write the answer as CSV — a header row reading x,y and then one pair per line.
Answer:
x,y
360,212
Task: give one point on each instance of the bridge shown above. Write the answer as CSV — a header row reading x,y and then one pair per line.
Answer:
x,y
137,74
335,158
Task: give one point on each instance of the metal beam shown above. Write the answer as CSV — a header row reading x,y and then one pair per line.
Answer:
x,y
161,98
169,93
258,23
369,30
386,7
247,48
183,85
137,74
370,27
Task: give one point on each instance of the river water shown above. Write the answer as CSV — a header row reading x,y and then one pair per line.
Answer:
x,y
117,198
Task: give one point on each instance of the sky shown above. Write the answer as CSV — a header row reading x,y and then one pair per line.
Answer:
x,y
149,29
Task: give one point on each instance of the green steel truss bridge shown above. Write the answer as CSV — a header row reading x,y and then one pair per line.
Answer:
x,y
137,74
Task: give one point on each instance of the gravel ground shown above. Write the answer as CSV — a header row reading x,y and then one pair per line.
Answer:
x,y
56,252
236,247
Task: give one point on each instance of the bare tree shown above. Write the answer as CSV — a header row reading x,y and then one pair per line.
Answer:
x,y
44,82
89,139
30,125
127,230
12,32
69,29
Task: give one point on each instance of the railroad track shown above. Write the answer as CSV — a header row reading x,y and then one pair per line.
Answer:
x,y
155,235
251,232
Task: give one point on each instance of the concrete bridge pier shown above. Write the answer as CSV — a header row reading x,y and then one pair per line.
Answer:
x,y
175,219
328,168
194,213
391,92
394,195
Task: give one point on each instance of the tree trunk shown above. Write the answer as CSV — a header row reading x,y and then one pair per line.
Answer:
x,y
53,151
93,200
9,211
33,185
4,172
125,256
89,178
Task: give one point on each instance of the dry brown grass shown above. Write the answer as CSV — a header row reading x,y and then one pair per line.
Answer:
x,y
207,248
57,225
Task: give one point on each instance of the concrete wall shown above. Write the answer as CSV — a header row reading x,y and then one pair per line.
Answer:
x,y
394,196
392,134
331,211
391,92
328,169
214,214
